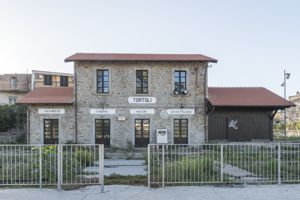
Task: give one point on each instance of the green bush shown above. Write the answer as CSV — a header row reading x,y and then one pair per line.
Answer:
x,y
74,161
84,157
12,116
186,169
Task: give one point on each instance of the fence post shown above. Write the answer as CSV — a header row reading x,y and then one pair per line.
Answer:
x,y
101,166
40,164
59,167
222,164
148,165
163,166
279,163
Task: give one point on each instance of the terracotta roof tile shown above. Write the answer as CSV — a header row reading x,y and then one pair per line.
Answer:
x,y
245,97
138,57
48,96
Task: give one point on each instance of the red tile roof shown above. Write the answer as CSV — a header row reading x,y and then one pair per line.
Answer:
x,y
48,96
138,57
245,97
217,96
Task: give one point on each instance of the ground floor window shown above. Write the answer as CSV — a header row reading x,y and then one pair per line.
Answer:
x,y
102,132
142,131
12,100
51,131
180,131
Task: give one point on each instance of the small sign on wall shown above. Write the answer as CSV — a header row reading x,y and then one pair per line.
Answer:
x,y
51,111
142,100
183,111
233,124
95,111
142,111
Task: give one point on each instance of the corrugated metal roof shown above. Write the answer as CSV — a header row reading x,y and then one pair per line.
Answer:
x,y
138,57
48,96
246,97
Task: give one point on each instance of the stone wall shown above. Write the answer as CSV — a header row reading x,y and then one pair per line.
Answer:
x,y
66,123
122,85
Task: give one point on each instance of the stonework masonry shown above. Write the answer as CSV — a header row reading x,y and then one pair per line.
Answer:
x,y
66,123
122,84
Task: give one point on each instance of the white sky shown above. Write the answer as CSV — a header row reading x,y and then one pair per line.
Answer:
x,y
253,40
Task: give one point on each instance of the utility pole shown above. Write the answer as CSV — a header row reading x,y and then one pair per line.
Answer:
x,y
285,77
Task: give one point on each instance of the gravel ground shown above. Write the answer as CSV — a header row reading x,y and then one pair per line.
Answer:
x,y
250,192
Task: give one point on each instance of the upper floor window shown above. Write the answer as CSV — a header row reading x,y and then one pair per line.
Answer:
x,y
13,82
64,81
142,81
180,81
37,76
47,79
102,81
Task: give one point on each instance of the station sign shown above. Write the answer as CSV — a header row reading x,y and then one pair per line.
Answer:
x,y
142,111
51,111
95,111
142,100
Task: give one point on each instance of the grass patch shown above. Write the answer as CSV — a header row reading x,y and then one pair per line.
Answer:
x,y
279,138
116,179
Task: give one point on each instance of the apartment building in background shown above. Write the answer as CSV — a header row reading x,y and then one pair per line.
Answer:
x,y
13,86
51,79
293,113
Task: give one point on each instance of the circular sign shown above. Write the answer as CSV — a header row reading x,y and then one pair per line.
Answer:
x,y
164,114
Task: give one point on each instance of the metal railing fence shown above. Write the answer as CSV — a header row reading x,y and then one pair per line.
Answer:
x,y
60,165
235,163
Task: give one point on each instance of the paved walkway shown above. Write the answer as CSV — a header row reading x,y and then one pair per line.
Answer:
x,y
121,167
264,192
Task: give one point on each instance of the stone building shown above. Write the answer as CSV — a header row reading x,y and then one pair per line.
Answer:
x,y
51,115
122,100
13,86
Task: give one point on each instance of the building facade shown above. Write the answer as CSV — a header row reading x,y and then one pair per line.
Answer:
x,y
12,87
131,97
51,79
132,100
122,100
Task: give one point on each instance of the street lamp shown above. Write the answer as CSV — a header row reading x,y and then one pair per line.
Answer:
x,y
285,77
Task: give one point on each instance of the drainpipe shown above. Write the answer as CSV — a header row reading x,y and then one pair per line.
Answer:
x,y
28,126
205,106
75,79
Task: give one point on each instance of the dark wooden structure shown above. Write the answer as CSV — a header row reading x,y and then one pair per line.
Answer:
x,y
242,114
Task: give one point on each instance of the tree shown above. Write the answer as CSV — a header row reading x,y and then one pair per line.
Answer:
x,y
12,116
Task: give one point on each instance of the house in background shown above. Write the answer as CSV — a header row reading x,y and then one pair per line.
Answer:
x,y
13,86
293,113
51,79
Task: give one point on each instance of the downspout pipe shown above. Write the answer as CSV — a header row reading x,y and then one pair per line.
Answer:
x,y
205,105
28,126
75,106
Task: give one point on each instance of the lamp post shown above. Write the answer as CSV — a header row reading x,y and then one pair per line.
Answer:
x,y
285,77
